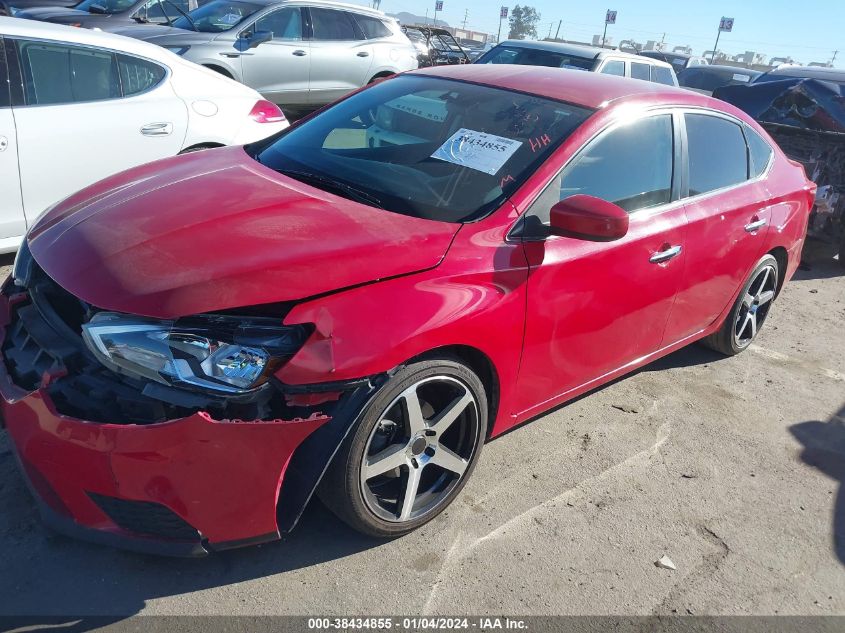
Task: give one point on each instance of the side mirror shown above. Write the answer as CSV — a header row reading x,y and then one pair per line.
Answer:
x,y
588,218
257,38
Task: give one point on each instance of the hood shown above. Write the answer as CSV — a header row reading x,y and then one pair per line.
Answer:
x,y
216,230
54,13
809,104
163,35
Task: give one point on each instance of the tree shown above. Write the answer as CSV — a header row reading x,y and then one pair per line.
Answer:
x,y
523,23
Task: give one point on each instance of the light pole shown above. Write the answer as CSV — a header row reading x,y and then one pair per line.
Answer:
x,y
609,18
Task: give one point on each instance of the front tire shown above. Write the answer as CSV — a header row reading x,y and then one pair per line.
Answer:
x,y
750,310
411,452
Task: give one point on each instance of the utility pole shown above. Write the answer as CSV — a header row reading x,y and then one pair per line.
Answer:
x,y
466,17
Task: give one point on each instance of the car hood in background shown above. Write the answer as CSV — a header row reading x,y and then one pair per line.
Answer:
x,y
809,104
216,230
164,35
56,13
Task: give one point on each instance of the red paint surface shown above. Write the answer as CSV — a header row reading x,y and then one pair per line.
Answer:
x,y
556,318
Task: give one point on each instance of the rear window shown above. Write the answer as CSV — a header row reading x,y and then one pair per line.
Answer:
x,y
138,75
759,153
55,74
332,25
662,75
372,27
534,57
717,153
425,147
640,71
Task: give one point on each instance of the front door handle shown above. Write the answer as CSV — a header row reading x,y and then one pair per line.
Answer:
x,y
665,256
755,225
157,129
363,54
300,53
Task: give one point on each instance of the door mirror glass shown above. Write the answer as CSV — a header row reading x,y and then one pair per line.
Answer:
x,y
588,218
257,38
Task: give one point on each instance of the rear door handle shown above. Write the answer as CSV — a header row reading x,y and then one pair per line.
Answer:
x,y
665,256
300,53
363,54
756,225
157,129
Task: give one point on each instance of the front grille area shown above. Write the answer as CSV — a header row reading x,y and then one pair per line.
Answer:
x,y
45,338
145,518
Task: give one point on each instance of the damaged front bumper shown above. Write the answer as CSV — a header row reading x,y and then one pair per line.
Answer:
x,y
181,486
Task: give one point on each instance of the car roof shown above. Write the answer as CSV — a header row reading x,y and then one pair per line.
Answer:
x,y
16,27
590,52
723,68
578,87
810,72
328,4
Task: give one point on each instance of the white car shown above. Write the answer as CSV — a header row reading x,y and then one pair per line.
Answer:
x,y
77,106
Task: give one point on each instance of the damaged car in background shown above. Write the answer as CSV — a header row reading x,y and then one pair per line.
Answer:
x,y
803,108
193,347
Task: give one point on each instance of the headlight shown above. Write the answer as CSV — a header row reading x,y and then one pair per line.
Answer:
x,y
220,353
179,50
22,270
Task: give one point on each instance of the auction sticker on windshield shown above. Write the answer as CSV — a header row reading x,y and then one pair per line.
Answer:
x,y
477,150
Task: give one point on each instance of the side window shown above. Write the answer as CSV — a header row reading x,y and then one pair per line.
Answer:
x,y
163,11
640,71
662,75
4,78
56,74
373,27
285,24
329,24
138,75
717,153
759,152
614,67
630,166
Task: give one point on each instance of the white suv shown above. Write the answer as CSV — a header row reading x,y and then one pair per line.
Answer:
x,y
590,58
77,106
297,54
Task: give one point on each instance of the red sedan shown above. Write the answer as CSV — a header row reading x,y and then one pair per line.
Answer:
x,y
193,348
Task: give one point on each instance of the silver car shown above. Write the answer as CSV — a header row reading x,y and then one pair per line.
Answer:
x,y
297,54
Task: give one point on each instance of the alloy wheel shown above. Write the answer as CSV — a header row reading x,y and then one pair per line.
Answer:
x,y
420,449
755,306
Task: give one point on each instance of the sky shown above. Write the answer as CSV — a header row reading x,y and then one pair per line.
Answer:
x,y
806,30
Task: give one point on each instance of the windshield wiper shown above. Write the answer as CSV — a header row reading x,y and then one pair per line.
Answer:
x,y
324,182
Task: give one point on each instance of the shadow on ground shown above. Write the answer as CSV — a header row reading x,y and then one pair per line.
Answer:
x,y
824,449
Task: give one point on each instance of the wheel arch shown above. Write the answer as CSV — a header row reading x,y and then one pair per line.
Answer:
x,y
480,364
200,146
782,256
219,69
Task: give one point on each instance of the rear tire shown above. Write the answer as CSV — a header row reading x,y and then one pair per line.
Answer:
x,y
750,310
399,468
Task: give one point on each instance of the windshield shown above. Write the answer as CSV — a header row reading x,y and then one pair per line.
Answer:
x,y
535,57
425,147
711,78
105,6
217,16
